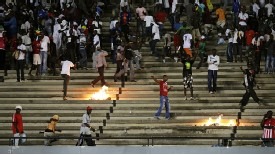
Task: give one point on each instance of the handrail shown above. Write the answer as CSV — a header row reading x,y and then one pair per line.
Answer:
x,y
148,138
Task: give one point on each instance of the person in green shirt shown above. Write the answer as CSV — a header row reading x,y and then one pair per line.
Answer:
x,y
202,51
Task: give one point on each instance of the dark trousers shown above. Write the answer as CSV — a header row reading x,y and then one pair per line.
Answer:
x,y
229,52
100,77
71,52
88,139
65,83
2,59
125,31
237,49
153,44
249,92
257,61
20,69
212,78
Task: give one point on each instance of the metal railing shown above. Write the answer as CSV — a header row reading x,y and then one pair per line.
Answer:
x,y
222,141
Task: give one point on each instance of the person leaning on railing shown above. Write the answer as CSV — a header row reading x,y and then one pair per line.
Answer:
x,y
268,124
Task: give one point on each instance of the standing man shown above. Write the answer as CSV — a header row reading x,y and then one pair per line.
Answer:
x,y
65,73
100,64
85,129
268,125
20,62
164,100
249,83
213,62
17,126
45,44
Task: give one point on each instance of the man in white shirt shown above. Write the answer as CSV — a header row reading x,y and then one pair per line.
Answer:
x,y
140,14
155,39
148,20
72,36
100,62
243,17
85,129
96,40
213,62
45,44
57,35
269,8
66,73
187,42
237,44
20,62
26,40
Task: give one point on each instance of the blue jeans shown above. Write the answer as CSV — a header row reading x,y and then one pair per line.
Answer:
x,y
83,60
43,57
212,76
164,100
269,63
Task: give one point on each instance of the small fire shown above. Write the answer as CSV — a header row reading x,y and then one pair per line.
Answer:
x,y
101,95
219,122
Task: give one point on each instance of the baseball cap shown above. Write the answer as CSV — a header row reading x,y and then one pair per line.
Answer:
x,y
89,108
18,107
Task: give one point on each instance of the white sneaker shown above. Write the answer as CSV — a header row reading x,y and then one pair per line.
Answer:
x,y
210,92
192,98
163,60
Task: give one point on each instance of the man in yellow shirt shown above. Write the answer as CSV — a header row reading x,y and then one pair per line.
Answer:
x,y
221,17
50,131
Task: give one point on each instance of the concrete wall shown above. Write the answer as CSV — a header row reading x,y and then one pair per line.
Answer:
x,y
136,150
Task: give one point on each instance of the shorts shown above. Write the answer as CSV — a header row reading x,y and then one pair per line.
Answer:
x,y
188,51
36,59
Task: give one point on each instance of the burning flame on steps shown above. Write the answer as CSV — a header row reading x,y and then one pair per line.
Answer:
x,y
102,94
219,122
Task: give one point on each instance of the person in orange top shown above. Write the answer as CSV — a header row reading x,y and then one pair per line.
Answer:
x,y
221,17
50,131
249,35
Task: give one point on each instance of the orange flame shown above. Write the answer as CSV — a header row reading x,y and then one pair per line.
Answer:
x,y
102,94
219,122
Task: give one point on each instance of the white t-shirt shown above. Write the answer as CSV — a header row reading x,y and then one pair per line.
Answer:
x,y
148,20
244,17
66,66
68,35
95,40
236,35
174,5
257,42
26,40
113,24
269,8
256,8
155,31
140,12
86,119
97,26
210,61
21,48
187,40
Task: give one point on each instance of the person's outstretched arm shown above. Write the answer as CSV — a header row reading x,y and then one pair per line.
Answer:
x,y
157,81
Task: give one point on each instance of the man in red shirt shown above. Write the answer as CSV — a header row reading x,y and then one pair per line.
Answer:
x,y
249,35
36,46
17,125
268,125
164,100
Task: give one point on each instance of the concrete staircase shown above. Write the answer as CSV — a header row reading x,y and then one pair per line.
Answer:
x,y
130,111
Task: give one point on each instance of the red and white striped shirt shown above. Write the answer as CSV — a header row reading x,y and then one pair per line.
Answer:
x,y
269,133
